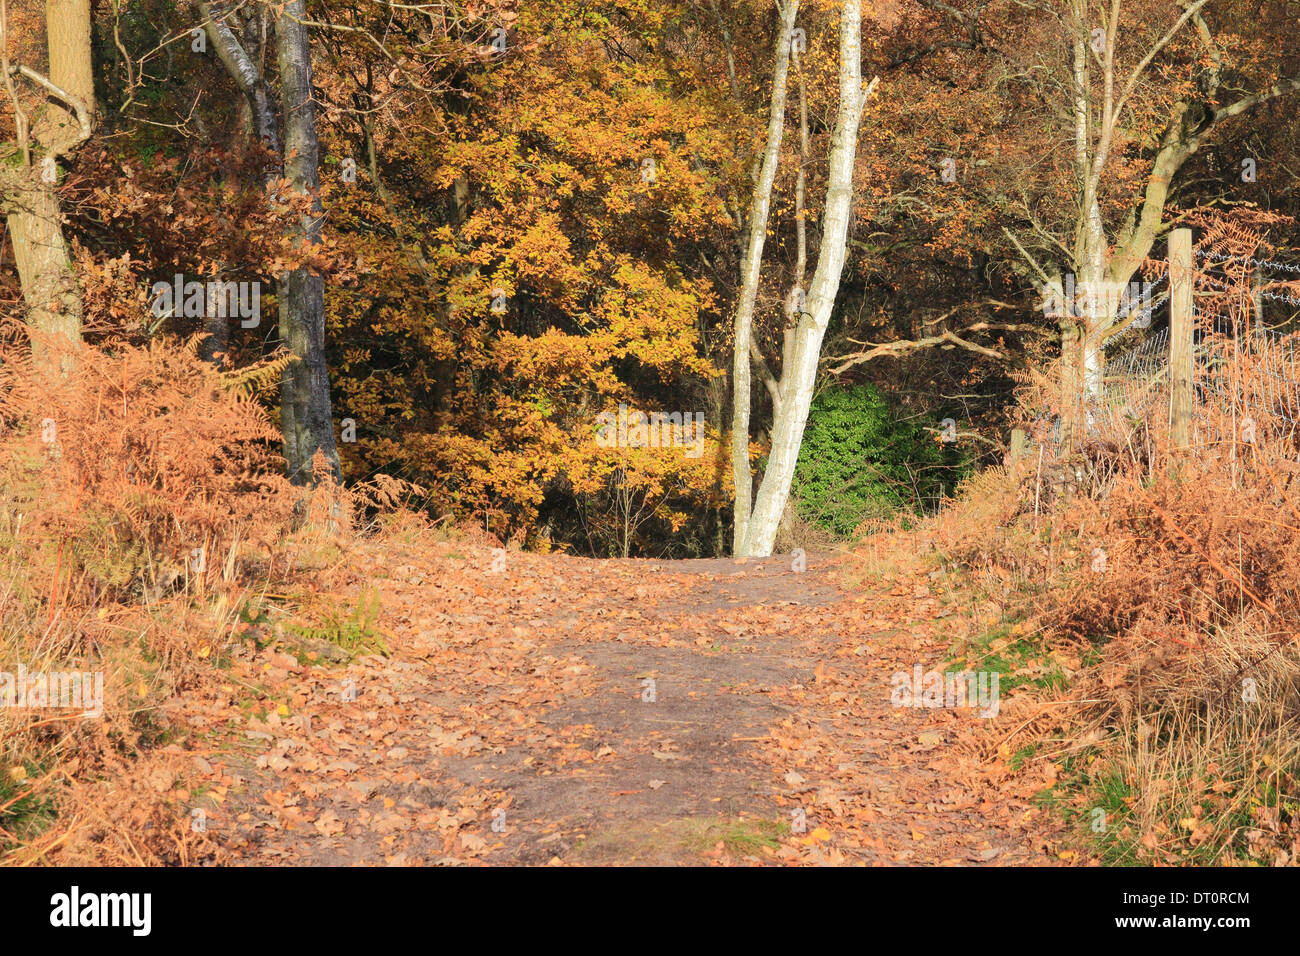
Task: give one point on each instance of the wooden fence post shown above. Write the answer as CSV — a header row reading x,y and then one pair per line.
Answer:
x,y
1181,331
1018,449
1019,442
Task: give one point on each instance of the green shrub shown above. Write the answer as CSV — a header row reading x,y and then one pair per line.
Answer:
x,y
859,461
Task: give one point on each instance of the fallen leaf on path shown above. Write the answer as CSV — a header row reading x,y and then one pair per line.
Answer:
x,y
329,824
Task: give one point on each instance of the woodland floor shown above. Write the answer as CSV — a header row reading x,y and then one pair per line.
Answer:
x,y
522,691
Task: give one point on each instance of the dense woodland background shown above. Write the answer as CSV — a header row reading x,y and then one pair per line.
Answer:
x,y
498,153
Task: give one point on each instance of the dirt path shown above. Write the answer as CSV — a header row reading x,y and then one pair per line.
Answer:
x,y
572,711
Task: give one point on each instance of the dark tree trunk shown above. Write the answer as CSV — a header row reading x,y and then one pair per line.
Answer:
x,y
306,415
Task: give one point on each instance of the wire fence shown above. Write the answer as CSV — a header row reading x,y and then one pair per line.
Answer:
x,y
1135,384
1241,365
1256,376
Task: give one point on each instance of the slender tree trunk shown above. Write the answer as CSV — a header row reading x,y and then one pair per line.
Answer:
x,y
216,341
799,378
794,301
1090,237
729,46
258,111
307,418
750,269
248,78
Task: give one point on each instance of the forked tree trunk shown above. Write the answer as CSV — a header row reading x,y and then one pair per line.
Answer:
x,y
800,376
1103,264
306,415
750,269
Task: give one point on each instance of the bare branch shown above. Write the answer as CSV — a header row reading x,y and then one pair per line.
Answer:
x,y
84,123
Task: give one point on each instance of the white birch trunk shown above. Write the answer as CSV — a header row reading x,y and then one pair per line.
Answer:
x,y
750,268
799,378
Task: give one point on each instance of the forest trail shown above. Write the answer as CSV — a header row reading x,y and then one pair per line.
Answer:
x,y
560,710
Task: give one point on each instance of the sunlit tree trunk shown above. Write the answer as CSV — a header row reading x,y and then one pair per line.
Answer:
x,y
751,267
32,209
800,375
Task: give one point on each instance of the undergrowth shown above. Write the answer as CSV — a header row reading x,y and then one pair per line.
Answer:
x,y
144,520
1141,600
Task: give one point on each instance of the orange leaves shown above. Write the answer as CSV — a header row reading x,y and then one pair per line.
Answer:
x,y
142,451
